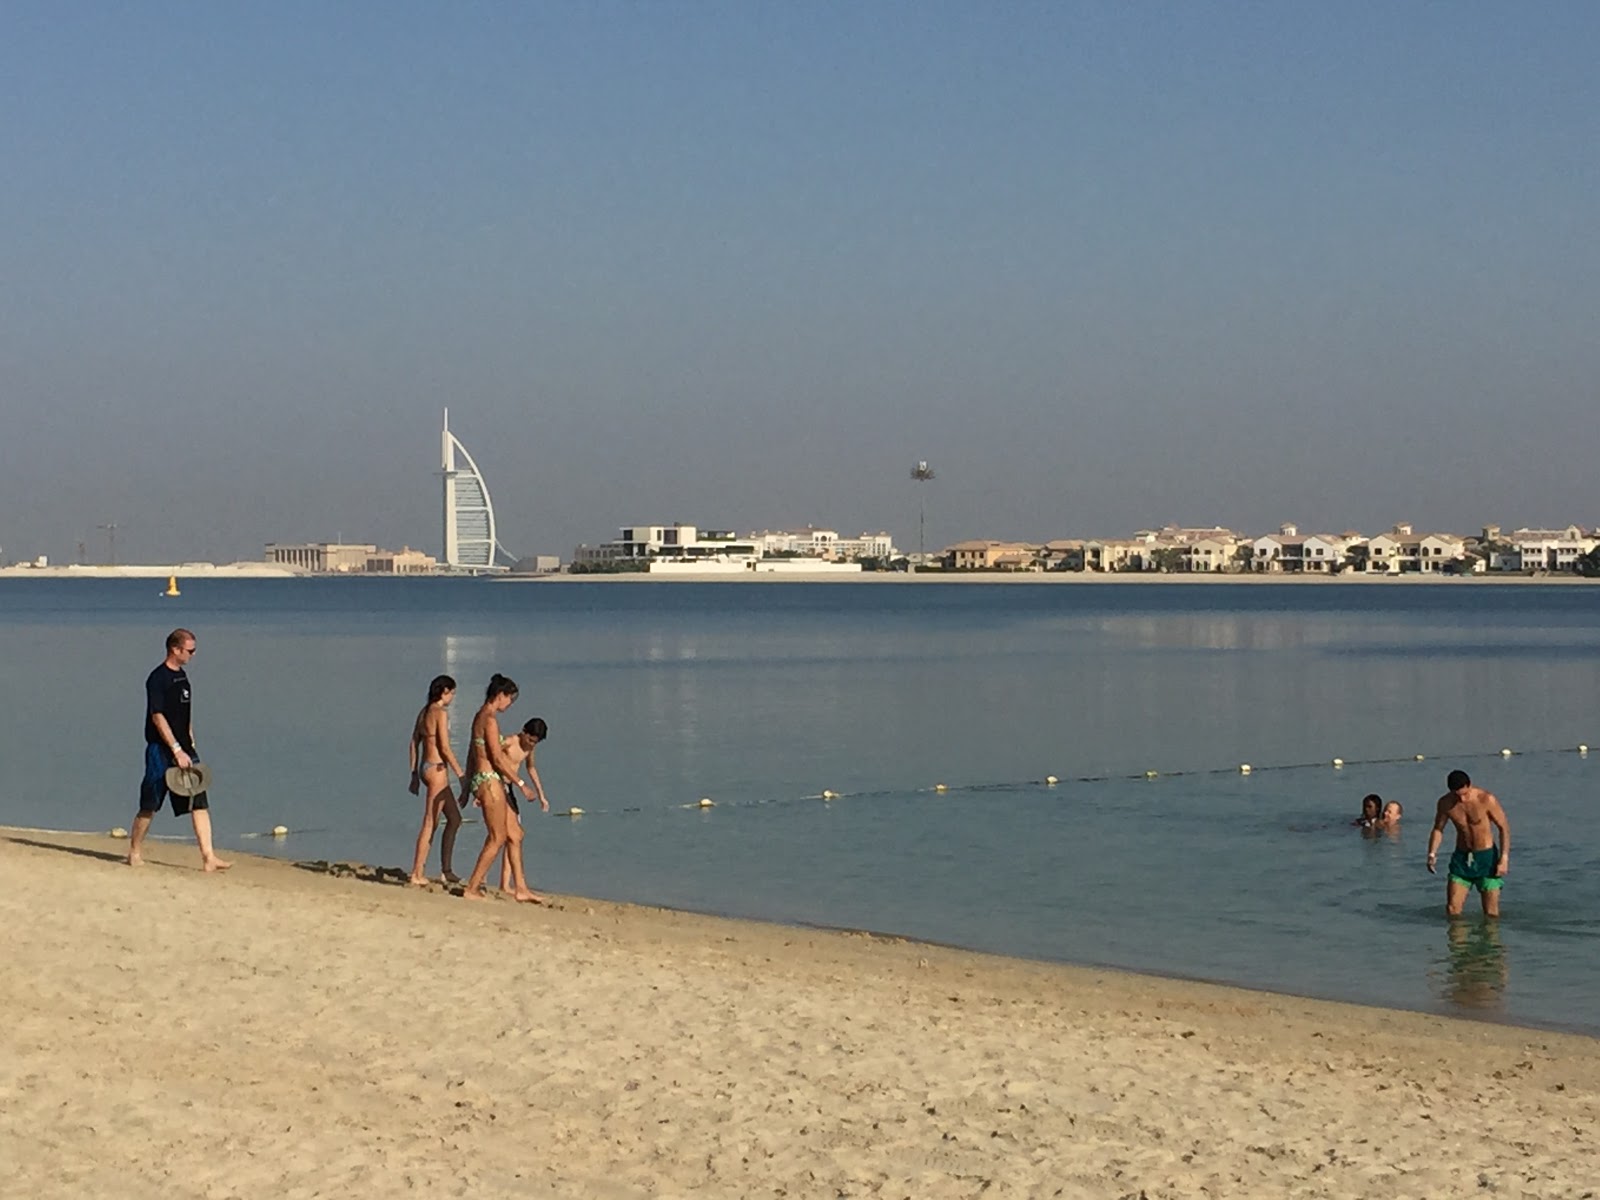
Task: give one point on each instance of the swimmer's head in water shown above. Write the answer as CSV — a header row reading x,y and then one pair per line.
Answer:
x,y
1392,811
1371,805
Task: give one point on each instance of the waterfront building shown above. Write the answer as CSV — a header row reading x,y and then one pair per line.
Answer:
x,y
349,558
1185,535
1062,554
1402,550
321,557
982,554
470,542
404,561
812,542
1290,552
684,541
1209,554
1119,554
1544,549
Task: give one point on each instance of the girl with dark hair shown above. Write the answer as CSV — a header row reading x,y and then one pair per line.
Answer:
x,y
1371,811
430,756
490,767
499,685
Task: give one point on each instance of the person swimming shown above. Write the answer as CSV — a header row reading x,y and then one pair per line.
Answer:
x,y
1371,811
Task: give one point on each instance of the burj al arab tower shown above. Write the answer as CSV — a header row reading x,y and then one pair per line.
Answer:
x,y
469,536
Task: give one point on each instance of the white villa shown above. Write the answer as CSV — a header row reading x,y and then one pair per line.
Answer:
x,y
1539,549
1290,551
683,542
811,542
1210,553
1402,550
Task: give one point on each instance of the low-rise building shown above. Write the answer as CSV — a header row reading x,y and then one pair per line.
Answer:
x,y
350,558
1119,554
1402,550
683,541
322,557
1062,554
404,561
982,554
1544,549
811,542
1209,554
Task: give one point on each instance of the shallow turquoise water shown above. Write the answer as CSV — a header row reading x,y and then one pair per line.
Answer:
x,y
761,697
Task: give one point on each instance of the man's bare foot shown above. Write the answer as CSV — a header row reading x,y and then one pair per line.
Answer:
x,y
527,897
417,881
135,860
480,894
215,864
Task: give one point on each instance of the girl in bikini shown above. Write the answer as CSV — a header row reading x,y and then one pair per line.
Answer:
x,y
430,757
488,762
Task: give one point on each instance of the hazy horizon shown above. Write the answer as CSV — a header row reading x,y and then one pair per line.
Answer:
x,y
1105,267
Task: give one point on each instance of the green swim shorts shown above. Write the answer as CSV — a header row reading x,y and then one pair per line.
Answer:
x,y
1475,869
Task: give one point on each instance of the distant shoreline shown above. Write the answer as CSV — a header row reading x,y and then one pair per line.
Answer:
x,y
1065,578
213,571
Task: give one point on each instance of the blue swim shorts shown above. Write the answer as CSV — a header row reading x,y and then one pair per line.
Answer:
x,y
153,789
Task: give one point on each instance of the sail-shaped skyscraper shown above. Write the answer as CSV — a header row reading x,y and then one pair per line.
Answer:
x,y
470,542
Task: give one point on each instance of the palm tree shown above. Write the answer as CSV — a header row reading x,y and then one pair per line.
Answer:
x,y
921,473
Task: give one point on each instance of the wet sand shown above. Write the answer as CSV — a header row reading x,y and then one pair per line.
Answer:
x,y
312,1030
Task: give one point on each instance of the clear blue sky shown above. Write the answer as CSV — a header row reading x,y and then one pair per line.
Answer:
x,y
743,264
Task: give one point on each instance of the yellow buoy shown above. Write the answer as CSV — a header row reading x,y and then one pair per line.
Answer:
x,y
1338,763
119,832
939,787
1244,768
827,795
1506,753
1419,757
707,802
573,812
1051,781
279,831
172,586
1583,748
1151,774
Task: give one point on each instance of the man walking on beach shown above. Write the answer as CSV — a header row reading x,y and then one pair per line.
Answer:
x,y
169,742
1476,863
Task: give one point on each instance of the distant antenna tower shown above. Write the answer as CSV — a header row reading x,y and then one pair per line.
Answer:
x,y
110,530
921,473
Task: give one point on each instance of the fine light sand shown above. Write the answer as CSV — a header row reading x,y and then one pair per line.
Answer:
x,y
289,1032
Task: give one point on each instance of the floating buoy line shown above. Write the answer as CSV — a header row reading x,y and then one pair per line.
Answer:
x,y
1054,782
828,796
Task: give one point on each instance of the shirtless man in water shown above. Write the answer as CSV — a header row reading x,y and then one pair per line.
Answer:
x,y
1476,863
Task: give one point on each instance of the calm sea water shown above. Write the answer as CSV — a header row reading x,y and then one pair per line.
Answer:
x,y
762,697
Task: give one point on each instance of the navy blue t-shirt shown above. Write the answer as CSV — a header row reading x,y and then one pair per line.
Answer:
x,y
167,692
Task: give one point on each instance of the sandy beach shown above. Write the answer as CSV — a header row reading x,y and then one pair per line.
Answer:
x,y
305,1030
